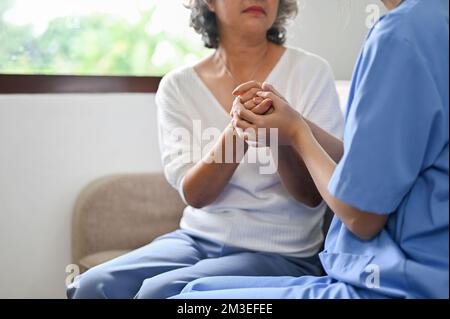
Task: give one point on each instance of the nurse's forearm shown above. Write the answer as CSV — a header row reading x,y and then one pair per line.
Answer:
x,y
296,178
295,175
332,145
204,182
321,166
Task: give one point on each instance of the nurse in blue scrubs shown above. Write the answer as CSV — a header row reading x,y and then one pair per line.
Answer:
x,y
389,187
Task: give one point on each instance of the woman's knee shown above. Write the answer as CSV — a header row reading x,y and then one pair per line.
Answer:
x,y
90,285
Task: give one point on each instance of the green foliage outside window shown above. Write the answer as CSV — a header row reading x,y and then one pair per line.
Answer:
x,y
94,44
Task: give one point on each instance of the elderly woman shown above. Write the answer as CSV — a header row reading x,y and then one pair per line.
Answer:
x,y
242,216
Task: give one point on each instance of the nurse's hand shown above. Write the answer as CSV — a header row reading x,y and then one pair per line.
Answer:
x,y
282,117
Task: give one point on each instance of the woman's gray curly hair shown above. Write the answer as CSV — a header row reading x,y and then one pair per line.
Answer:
x,y
204,21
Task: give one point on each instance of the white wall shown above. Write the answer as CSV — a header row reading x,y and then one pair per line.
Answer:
x,y
334,29
51,146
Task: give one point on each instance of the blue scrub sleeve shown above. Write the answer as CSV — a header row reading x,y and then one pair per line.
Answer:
x,y
387,128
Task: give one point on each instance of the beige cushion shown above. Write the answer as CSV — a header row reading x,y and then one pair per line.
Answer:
x,y
99,258
121,213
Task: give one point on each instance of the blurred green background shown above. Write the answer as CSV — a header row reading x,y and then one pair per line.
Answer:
x,y
94,44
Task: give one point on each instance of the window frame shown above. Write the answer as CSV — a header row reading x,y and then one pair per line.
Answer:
x,y
66,84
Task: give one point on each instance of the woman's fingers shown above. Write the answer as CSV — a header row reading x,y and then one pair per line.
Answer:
x,y
263,107
268,87
277,100
250,105
249,95
241,89
240,110
258,100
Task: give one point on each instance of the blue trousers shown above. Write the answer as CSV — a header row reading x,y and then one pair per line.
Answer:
x,y
306,287
164,267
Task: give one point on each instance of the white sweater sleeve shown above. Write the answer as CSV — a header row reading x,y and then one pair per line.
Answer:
x,y
323,107
176,138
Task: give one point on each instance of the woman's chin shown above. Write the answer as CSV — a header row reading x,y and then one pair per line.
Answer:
x,y
254,26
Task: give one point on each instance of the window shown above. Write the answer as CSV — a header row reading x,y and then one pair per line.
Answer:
x,y
96,37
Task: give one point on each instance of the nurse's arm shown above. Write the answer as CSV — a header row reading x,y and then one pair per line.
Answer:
x,y
321,165
292,170
295,175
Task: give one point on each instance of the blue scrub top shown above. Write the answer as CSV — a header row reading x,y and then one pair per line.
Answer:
x,y
396,157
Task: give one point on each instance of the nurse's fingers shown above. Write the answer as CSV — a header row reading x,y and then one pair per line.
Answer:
x,y
241,89
270,111
242,124
263,107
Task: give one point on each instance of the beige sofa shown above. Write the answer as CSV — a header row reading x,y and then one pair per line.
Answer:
x,y
116,214
119,213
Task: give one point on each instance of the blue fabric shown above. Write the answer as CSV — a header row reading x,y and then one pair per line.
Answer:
x,y
164,267
395,163
306,287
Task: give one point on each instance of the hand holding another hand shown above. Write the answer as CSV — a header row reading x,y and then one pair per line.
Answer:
x,y
259,107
